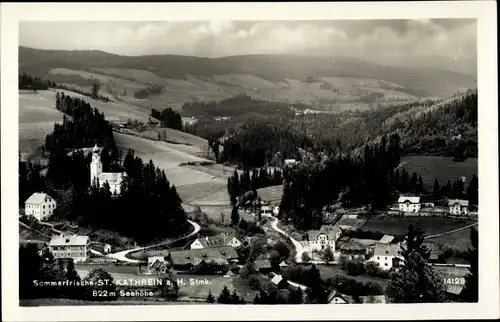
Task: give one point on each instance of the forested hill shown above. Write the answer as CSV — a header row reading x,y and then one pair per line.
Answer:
x,y
270,67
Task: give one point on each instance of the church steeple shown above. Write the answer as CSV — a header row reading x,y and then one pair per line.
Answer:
x,y
95,165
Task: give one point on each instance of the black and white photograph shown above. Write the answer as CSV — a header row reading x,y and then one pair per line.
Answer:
x,y
231,162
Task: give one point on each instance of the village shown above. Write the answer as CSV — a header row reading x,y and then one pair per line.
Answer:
x,y
204,263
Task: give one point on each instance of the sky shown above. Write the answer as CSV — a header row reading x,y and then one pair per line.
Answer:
x,y
449,41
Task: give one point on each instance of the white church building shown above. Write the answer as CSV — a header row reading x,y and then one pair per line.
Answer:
x,y
114,179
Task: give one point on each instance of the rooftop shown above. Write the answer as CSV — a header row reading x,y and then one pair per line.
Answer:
x,y
69,240
215,241
194,256
261,263
386,239
386,249
462,203
328,230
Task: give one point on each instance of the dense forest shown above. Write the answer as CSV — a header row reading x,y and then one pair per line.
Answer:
x,y
444,128
27,81
146,191
91,94
86,127
168,118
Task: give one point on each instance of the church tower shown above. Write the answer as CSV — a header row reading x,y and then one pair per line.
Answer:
x,y
95,165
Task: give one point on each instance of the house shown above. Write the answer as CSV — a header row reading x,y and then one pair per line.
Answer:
x,y
327,235
458,207
185,259
262,266
114,179
279,281
354,249
276,211
216,241
386,256
102,248
40,205
337,298
157,264
386,239
283,264
70,246
409,204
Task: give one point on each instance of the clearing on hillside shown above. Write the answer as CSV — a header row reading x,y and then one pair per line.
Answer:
x,y
443,168
430,225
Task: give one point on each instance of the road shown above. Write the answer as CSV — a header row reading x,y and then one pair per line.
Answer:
x,y
451,231
122,255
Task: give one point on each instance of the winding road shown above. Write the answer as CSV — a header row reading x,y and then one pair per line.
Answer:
x,y
122,256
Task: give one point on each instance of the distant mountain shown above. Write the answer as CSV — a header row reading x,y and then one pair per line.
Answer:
x,y
432,81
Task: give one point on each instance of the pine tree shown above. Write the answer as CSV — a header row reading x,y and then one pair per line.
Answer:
x,y
436,189
328,255
224,296
420,185
210,297
235,216
472,190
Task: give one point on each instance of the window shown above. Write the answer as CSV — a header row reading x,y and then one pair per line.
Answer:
x,y
43,206
69,254
378,257
385,264
81,254
386,257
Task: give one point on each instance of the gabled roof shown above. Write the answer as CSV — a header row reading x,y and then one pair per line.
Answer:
x,y
347,298
68,240
277,279
386,239
183,257
261,263
328,230
283,264
353,245
386,249
37,198
462,203
403,199
216,241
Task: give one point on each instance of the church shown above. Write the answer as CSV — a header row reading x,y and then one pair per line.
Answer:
x,y
114,179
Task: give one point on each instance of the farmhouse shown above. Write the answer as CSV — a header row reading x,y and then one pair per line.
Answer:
x,y
276,210
354,250
185,259
40,205
409,204
458,207
386,256
265,210
114,179
337,298
157,264
70,246
327,235
216,241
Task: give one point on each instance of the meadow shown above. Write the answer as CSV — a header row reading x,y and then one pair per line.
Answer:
x,y
443,168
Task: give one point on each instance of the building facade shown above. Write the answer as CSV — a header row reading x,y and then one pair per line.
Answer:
x,y
458,207
114,179
409,204
319,240
387,255
40,205
70,246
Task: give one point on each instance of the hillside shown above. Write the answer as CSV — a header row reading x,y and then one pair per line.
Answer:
x,y
270,68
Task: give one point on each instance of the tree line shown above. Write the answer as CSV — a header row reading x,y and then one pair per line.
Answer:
x,y
239,184
151,89
168,118
93,93
28,81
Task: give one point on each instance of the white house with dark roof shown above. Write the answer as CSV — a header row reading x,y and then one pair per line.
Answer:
x,y
216,241
70,246
318,240
114,179
40,205
386,255
409,204
458,207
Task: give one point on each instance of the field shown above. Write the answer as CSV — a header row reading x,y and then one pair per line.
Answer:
x,y
327,271
191,290
399,225
443,168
